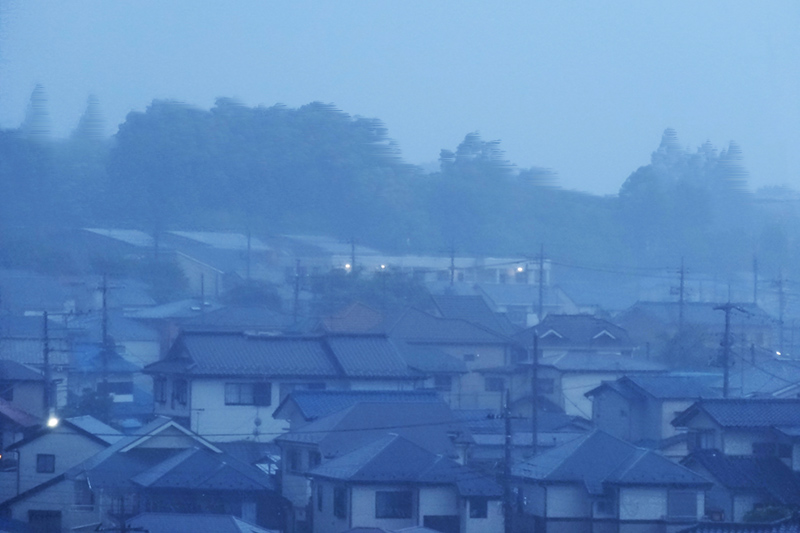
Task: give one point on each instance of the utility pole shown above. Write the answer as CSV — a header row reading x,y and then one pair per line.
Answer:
x,y
535,396
48,392
781,310
755,279
680,298
249,249
541,282
726,344
508,442
352,254
452,264
296,289
105,341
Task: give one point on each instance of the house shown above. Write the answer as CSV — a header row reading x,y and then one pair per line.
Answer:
x,y
565,378
640,408
393,483
743,484
601,483
481,350
472,308
23,387
790,524
50,451
228,384
429,424
303,406
192,523
738,426
559,334
520,303
164,467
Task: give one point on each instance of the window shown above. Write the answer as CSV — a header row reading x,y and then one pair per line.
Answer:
x,y
45,463
314,459
478,507
682,504
340,502
180,392
295,460
319,497
443,383
393,504
701,440
495,384
248,394
160,390
84,497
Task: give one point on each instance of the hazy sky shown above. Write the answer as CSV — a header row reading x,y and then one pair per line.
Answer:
x,y
583,87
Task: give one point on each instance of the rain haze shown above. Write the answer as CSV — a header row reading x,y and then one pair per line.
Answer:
x,y
582,88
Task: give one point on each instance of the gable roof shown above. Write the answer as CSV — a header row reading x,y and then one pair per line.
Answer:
x,y
415,326
394,459
429,424
472,308
14,371
766,475
192,523
86,425
315,404
243,354
663,386
576,330
622,464
577,361
745,412
238,318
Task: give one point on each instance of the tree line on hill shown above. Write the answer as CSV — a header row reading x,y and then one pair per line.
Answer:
x,y
317,170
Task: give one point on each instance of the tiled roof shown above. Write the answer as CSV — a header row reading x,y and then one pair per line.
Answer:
x,y
576,330
472,309
393,459
88,358
316,404
201,469
238,318
238,354
664,386
601,362
235,354
431,425
622,464
192,523
745,412
416,326
366,356
788,525
13,371
766,475
430,359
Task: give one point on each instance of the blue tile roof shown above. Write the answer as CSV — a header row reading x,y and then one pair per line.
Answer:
x,y
316,404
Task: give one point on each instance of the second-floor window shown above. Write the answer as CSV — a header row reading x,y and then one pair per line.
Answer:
x,y
682,504
45,463
160,390
340,502
180,392
248,394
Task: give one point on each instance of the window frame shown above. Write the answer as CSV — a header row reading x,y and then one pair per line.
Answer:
x,y
479,507
340,502
394,504
45,463
255,393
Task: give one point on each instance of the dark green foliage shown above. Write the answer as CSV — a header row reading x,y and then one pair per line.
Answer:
x,y
767,514
91,403
253,293
386,290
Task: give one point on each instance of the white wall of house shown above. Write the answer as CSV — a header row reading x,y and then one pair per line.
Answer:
x,y
575,385
493,522
59,497
669,410
640,503
437,501
68,448
568,501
